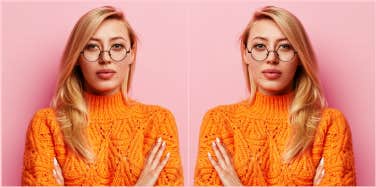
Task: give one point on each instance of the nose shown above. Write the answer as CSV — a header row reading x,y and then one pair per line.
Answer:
x,y
104,57
272,57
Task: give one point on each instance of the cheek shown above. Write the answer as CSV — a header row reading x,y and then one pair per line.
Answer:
x,y
255,70
87,71
290,72
123,70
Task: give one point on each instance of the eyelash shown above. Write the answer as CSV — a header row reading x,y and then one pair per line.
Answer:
x,y
118,45
259,45
96,46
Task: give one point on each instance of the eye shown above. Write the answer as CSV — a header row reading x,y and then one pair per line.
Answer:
x,y
259,46
285,46
91,47
117,47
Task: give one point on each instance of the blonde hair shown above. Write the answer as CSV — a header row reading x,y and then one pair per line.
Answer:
x,y
68,101
308,102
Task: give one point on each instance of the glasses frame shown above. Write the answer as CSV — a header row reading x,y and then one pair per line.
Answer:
x,y
268,52
109,53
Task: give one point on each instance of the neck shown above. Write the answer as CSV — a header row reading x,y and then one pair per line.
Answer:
x,y
272,104
105,106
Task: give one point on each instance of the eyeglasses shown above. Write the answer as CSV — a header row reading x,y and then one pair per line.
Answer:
x,y
259,52
117,52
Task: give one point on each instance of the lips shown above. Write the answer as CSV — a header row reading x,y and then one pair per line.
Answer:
x,y
105,74
272,74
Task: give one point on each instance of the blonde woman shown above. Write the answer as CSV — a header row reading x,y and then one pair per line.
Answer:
x,y
283,134
94,134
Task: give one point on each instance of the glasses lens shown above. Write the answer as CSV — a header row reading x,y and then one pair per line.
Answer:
x,y
285,53
259,53
118,52
91,52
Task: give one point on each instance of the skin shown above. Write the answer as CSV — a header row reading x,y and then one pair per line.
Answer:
x,y
263,32
266,33
113,32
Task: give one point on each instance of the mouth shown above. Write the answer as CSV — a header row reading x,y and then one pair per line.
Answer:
x,y
272,74
105,74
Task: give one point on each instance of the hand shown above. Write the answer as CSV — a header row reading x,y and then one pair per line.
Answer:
x,y
224,166
56,172
154,165
320,172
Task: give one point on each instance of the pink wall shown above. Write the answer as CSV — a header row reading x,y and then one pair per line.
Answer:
x,y
188,61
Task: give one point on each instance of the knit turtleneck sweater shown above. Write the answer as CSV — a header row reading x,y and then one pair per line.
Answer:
x,y
255,136
120,135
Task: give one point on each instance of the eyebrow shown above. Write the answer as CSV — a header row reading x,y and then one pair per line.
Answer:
x,y
263,38
111,39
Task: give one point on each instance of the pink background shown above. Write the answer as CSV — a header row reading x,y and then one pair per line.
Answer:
x,y
188,62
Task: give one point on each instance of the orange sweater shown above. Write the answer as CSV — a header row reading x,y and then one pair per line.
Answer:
x,y
255,137
121,136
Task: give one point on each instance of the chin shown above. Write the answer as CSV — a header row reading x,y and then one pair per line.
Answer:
x,y
106,89
272,88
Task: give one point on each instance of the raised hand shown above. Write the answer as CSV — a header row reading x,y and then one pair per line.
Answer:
x,y
223,166
154,165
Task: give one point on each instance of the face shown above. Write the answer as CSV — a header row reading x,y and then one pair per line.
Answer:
x,y
271,75
105,75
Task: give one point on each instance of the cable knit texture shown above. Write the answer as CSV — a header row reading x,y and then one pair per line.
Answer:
x,y
120,135
256,135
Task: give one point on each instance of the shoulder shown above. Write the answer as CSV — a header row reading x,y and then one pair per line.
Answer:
x,y
226,110
333,120
45,115
330,115
42,121
151,110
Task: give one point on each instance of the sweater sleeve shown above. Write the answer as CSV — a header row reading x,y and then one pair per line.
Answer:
x,y
205,173
338,153
172,173
39,152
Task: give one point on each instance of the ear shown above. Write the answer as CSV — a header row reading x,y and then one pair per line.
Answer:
x,y
132,56
244,55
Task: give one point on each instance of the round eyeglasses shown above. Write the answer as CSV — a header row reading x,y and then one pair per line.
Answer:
x,y
259,52
117,52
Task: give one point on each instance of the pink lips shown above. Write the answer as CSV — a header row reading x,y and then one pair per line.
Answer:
x,y
272,74
105,74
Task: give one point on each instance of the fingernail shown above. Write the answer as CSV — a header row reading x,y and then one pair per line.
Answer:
x,y
218,140
164,144
168,154
209,155
213,144
159,140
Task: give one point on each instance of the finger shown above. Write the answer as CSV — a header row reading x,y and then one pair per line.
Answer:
x,y
223,151
57,178
158,156
153,151
215,165
219,156
320,171
318,177
162,164
57,167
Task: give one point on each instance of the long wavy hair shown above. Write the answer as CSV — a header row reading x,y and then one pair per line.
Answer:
x,y
309,101
68,101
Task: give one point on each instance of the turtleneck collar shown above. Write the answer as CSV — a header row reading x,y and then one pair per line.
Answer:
x,y
105,106
272,104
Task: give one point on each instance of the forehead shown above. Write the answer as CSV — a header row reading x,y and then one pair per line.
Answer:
x,y
265,28
111,28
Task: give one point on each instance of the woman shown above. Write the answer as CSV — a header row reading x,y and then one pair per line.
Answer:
x,y
284,134
93,132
